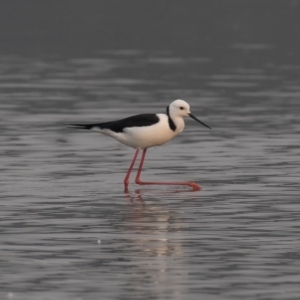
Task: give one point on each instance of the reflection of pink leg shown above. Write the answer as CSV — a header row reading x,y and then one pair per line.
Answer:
x,y
126,179
195,186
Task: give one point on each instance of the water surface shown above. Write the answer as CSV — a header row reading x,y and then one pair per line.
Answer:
x,y
68,231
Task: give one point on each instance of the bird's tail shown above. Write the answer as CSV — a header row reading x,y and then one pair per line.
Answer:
x,y
83,126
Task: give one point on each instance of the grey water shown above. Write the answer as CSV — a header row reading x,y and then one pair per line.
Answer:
x,y
68,230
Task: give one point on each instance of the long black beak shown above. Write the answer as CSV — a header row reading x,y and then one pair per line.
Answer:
x,y
193,117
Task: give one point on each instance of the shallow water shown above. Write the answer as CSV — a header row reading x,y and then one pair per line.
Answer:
x,y
68,231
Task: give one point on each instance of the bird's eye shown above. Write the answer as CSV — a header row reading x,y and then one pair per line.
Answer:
x,y
181,107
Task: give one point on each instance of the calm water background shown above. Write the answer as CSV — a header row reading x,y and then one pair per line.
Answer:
x,y
68,231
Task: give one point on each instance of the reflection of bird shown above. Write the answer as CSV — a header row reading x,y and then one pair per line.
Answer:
x,y
145,131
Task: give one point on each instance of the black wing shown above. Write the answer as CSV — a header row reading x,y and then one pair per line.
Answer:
x,y
119,126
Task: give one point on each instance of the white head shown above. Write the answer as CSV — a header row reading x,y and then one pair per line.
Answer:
x,y
180,109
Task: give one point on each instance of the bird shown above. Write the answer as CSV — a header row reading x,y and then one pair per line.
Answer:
x,y
144,131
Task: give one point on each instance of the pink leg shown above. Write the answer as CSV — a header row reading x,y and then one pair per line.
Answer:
x,y
195,186
126,179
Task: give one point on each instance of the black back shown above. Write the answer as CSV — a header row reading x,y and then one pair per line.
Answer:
x,y
119,126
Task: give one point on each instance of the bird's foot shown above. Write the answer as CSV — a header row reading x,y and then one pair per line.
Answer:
x,y
195,186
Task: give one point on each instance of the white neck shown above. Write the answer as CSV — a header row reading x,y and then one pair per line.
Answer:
x,y
179,123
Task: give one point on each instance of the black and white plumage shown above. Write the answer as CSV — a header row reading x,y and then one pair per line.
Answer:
x,y
120,125
146,130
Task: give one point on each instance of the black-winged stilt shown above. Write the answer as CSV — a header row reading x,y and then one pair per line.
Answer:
x,y
147,130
